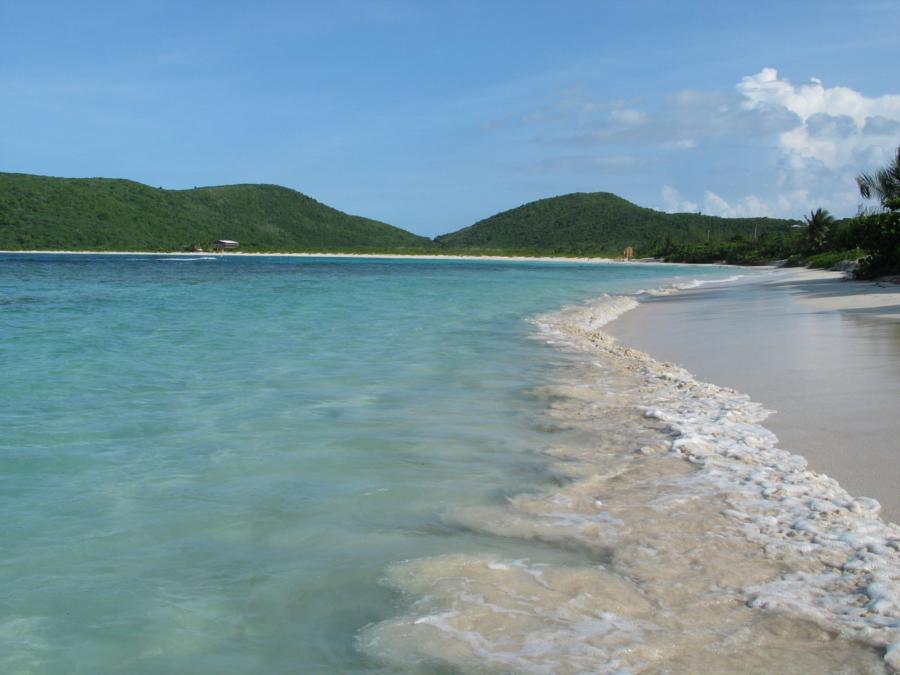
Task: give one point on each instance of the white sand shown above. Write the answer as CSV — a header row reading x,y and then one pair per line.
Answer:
x,y
822,351
383,256
847,295
389,256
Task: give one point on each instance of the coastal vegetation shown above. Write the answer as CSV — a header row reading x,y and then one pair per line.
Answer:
x,y
879,236
44,213
879,229
884,184
871,238
600,223
819,225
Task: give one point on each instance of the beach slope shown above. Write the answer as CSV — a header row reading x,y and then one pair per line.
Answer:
x,y
821,351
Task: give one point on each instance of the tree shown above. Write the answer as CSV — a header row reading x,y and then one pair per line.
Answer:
x,y
818,227
880,236
883,185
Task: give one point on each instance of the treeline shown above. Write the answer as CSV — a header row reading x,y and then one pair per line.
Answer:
x,y
44,213
791,245
599,223
871,239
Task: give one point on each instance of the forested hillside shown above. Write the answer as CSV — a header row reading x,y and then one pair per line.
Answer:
x,y
39,212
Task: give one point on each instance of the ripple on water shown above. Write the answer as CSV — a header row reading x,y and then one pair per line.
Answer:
x,y
721,552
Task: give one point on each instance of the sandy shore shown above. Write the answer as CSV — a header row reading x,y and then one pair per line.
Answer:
x,y
380,256
388,256
822,351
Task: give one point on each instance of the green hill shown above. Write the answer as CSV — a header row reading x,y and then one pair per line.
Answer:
x,y
600,223
44,213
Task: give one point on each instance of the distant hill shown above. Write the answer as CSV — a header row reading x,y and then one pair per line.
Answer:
x,y
104,214
599,223
40,212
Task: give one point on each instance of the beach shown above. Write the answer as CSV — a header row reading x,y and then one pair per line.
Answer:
x,y
378,465
821,351
713,548
214,462
379,256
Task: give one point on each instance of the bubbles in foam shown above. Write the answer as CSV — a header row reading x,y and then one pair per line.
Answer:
x,y
481,614
189,259
721,551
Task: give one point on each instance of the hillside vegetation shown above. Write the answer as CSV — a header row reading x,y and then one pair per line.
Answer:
x,y
868,243
597,223
39,212
43,213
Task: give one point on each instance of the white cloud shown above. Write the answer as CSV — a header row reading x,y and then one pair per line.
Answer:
x,y
766,146
788,204
839,127
628,116
673,203
681,144
823,137
752,206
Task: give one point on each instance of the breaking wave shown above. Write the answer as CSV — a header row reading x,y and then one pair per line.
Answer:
x,y
710,548
190,259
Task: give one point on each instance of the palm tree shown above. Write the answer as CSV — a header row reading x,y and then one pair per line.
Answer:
x,y
884,184
818,227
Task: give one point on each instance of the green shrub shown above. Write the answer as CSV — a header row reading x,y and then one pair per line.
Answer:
x,y
880,237
833,258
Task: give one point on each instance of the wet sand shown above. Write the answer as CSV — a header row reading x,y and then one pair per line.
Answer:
x,y
824,353
705,547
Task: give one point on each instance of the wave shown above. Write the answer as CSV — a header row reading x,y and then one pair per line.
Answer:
x,y
715,550
687,285
191,259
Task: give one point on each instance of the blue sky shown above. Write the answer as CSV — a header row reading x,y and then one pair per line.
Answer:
x,y
432,115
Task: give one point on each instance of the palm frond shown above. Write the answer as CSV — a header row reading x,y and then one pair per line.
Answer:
x,y
884,184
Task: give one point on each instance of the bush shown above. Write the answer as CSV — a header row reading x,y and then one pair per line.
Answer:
x,y
880,235
834,258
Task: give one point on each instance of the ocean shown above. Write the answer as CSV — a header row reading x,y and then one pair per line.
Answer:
x,y
313,465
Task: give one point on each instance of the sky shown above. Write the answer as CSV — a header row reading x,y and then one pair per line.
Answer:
x,y
433,115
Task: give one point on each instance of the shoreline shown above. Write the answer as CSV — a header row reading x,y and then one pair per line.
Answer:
x,y
815,348
388,256
721,550
651,523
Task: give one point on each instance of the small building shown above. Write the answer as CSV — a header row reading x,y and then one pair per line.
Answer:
x,y
629,253
225,245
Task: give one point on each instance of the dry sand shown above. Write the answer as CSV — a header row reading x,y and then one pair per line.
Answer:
x,y
822,351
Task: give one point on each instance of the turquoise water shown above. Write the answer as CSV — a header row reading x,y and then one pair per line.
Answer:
x,y
206,465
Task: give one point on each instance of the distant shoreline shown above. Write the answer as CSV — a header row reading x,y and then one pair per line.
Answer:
x,y
391,256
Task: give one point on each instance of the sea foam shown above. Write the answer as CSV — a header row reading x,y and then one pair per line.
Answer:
x,y
716,550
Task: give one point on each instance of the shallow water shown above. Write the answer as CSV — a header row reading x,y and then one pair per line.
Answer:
x,y
711,549
210,465
319,465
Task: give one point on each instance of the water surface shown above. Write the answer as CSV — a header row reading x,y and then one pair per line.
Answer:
x,y
208,465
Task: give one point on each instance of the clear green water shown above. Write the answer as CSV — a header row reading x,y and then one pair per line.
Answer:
x,y
207,465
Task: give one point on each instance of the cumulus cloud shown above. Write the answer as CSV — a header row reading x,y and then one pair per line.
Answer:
x,y
750,206
823,136
766,146
839,127
673,203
